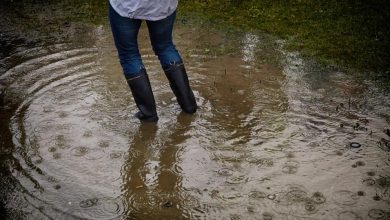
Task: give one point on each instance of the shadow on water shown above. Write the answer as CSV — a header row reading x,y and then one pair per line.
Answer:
x,y
274,137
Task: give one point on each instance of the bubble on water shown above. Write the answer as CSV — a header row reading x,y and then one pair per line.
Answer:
x,y
377,214
60,141
89,203
271,196
267,216
231,196
257,195
290,167
262,162
369,181
345,197
52,149
51,179
310,207
48,109
104,144
56,156
110,208
349,215
87,134
318,198
225,172
116,155
294,194
79,151
237,179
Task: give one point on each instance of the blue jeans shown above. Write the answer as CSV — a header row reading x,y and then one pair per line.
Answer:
x,y
125,31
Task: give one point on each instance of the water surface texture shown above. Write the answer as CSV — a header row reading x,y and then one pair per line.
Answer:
x,y
274,136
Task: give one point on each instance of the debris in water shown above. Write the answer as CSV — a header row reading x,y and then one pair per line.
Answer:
x,y
360,163
168,204
387,131
355,145
361,193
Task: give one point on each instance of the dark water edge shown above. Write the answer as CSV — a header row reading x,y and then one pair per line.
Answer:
x,y
28,24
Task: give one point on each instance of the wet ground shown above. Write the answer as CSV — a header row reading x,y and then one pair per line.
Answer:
x,y
275,136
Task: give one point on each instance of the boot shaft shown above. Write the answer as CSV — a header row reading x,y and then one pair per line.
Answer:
x,y
178,80
143,96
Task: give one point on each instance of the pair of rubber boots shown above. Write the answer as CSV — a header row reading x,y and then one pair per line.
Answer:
x,y
143,95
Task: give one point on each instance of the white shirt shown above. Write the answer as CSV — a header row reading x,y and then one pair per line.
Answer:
x,y
152,10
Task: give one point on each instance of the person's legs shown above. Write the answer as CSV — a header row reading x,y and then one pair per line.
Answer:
x,y
125,31
161,38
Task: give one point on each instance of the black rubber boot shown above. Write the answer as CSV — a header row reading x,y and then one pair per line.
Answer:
x,y
180,86
143,97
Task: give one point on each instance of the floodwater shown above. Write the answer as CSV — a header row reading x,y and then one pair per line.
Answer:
x,y
271,139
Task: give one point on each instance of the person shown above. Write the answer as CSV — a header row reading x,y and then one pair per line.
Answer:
x,y
125,18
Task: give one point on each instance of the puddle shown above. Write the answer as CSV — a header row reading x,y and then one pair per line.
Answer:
x,y
271,137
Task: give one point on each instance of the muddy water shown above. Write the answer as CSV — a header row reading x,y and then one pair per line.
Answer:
x,y
271,140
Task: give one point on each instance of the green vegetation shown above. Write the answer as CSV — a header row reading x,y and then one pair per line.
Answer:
x,y
350,34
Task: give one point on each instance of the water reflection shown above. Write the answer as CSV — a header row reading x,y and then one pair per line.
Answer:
x,y
153,189
250,42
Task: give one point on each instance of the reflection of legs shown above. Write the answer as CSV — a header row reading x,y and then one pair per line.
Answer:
x,y
161,38
134,173
167,178
166,200
125,31
169,185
